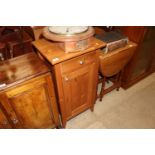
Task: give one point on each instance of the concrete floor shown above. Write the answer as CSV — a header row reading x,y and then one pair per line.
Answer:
x,y
133,108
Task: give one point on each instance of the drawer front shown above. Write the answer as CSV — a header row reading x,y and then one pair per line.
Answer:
x,y
77,63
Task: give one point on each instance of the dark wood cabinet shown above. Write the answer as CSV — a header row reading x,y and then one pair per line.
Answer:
x,y
28,95
16,41
142,63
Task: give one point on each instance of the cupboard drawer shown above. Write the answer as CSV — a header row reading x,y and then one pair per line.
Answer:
x,y
77,63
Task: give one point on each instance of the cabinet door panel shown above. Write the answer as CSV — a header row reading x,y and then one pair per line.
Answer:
x,y
32,109
77,88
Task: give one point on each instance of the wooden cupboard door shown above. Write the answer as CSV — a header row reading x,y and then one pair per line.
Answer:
x,y
32,104
4,123
78,90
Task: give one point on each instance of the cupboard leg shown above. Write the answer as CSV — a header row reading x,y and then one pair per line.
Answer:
x,y
59,127
64,123
92,108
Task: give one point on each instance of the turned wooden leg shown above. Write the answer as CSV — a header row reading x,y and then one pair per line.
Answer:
x,y
102,89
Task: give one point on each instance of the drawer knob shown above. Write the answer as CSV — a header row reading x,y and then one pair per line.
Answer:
x,y
66,78
81,62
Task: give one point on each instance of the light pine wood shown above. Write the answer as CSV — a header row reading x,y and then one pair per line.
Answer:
x,y
112,65
54,54
75,76
112,62
76,86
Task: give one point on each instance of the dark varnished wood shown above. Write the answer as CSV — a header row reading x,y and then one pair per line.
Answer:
x,y
135,33
20,69
141,64
29,97
17,40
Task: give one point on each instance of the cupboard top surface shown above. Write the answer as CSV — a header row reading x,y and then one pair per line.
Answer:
x,y
20,69
54,54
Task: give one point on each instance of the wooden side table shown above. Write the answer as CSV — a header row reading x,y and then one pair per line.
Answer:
x,y
75,74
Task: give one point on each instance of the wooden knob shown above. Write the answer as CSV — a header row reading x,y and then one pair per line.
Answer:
x,y
81,62
66,78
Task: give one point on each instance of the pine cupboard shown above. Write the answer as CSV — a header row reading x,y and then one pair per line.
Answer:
x,y
75,76
27,100
76,81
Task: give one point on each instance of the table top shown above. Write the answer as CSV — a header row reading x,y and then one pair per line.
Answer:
x,y
54,54
113,52
20,69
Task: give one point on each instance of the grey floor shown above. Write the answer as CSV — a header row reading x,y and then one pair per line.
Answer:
x,y
131,108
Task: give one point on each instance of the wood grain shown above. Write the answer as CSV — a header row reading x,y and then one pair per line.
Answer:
x,y
54,54
75,76
20,69
29,98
